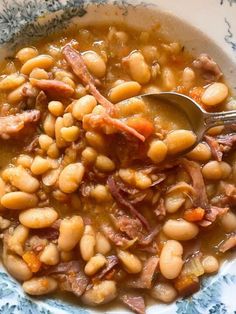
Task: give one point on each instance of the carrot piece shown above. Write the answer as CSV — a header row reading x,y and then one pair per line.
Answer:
x,y
141,125
194,214
32,260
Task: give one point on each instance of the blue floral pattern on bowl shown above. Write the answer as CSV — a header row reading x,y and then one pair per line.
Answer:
x,y
20,20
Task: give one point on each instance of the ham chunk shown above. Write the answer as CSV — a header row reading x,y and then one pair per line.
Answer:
x,y
12,124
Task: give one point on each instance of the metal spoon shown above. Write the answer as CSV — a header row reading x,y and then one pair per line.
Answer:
x,y
199,119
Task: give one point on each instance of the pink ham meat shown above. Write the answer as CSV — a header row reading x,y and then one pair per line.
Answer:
x,y
200,198
12,124
78,66
210,70
53,87
135,303
112,262
211,215
117,195
70,276
145,279
215,147
114,236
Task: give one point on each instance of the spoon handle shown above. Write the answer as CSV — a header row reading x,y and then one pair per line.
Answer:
x,y
219,118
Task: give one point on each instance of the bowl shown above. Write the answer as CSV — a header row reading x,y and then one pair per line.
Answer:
x,y
201,26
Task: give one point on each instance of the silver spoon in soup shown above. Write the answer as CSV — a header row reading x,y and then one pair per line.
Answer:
x,y
178,113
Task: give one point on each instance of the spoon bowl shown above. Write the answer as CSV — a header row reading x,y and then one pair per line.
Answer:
x,y
200,120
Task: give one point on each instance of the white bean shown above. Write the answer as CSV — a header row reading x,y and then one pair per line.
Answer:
x,y
100,193
17,267
21,178
168,79
45,141
95,63
40,285
59,124
49,125
130,262
71,230
228,221
26,53
212,170
50,177
83,106
157,151
11,81
36,218
215,94
70,177
40,165
17,240
201,152
104,163
19,200
94,264
103,246
188,78
50,255
24,160
138,68
179,140
87,243
171,259
41,61
100,293
180,229
124,91
210,264
173,201
56,108
164,292
142,181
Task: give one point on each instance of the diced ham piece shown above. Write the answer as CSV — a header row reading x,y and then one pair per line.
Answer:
x,y
208,67
12,124
227,139
135,303
115,237
115,191
215,147
200,198
112,262
211,214
54,88
145,279
160,210
228,194
47,233
70,276
131,226
228,244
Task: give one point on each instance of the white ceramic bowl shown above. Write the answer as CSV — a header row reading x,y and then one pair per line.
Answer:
x,y
201,26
